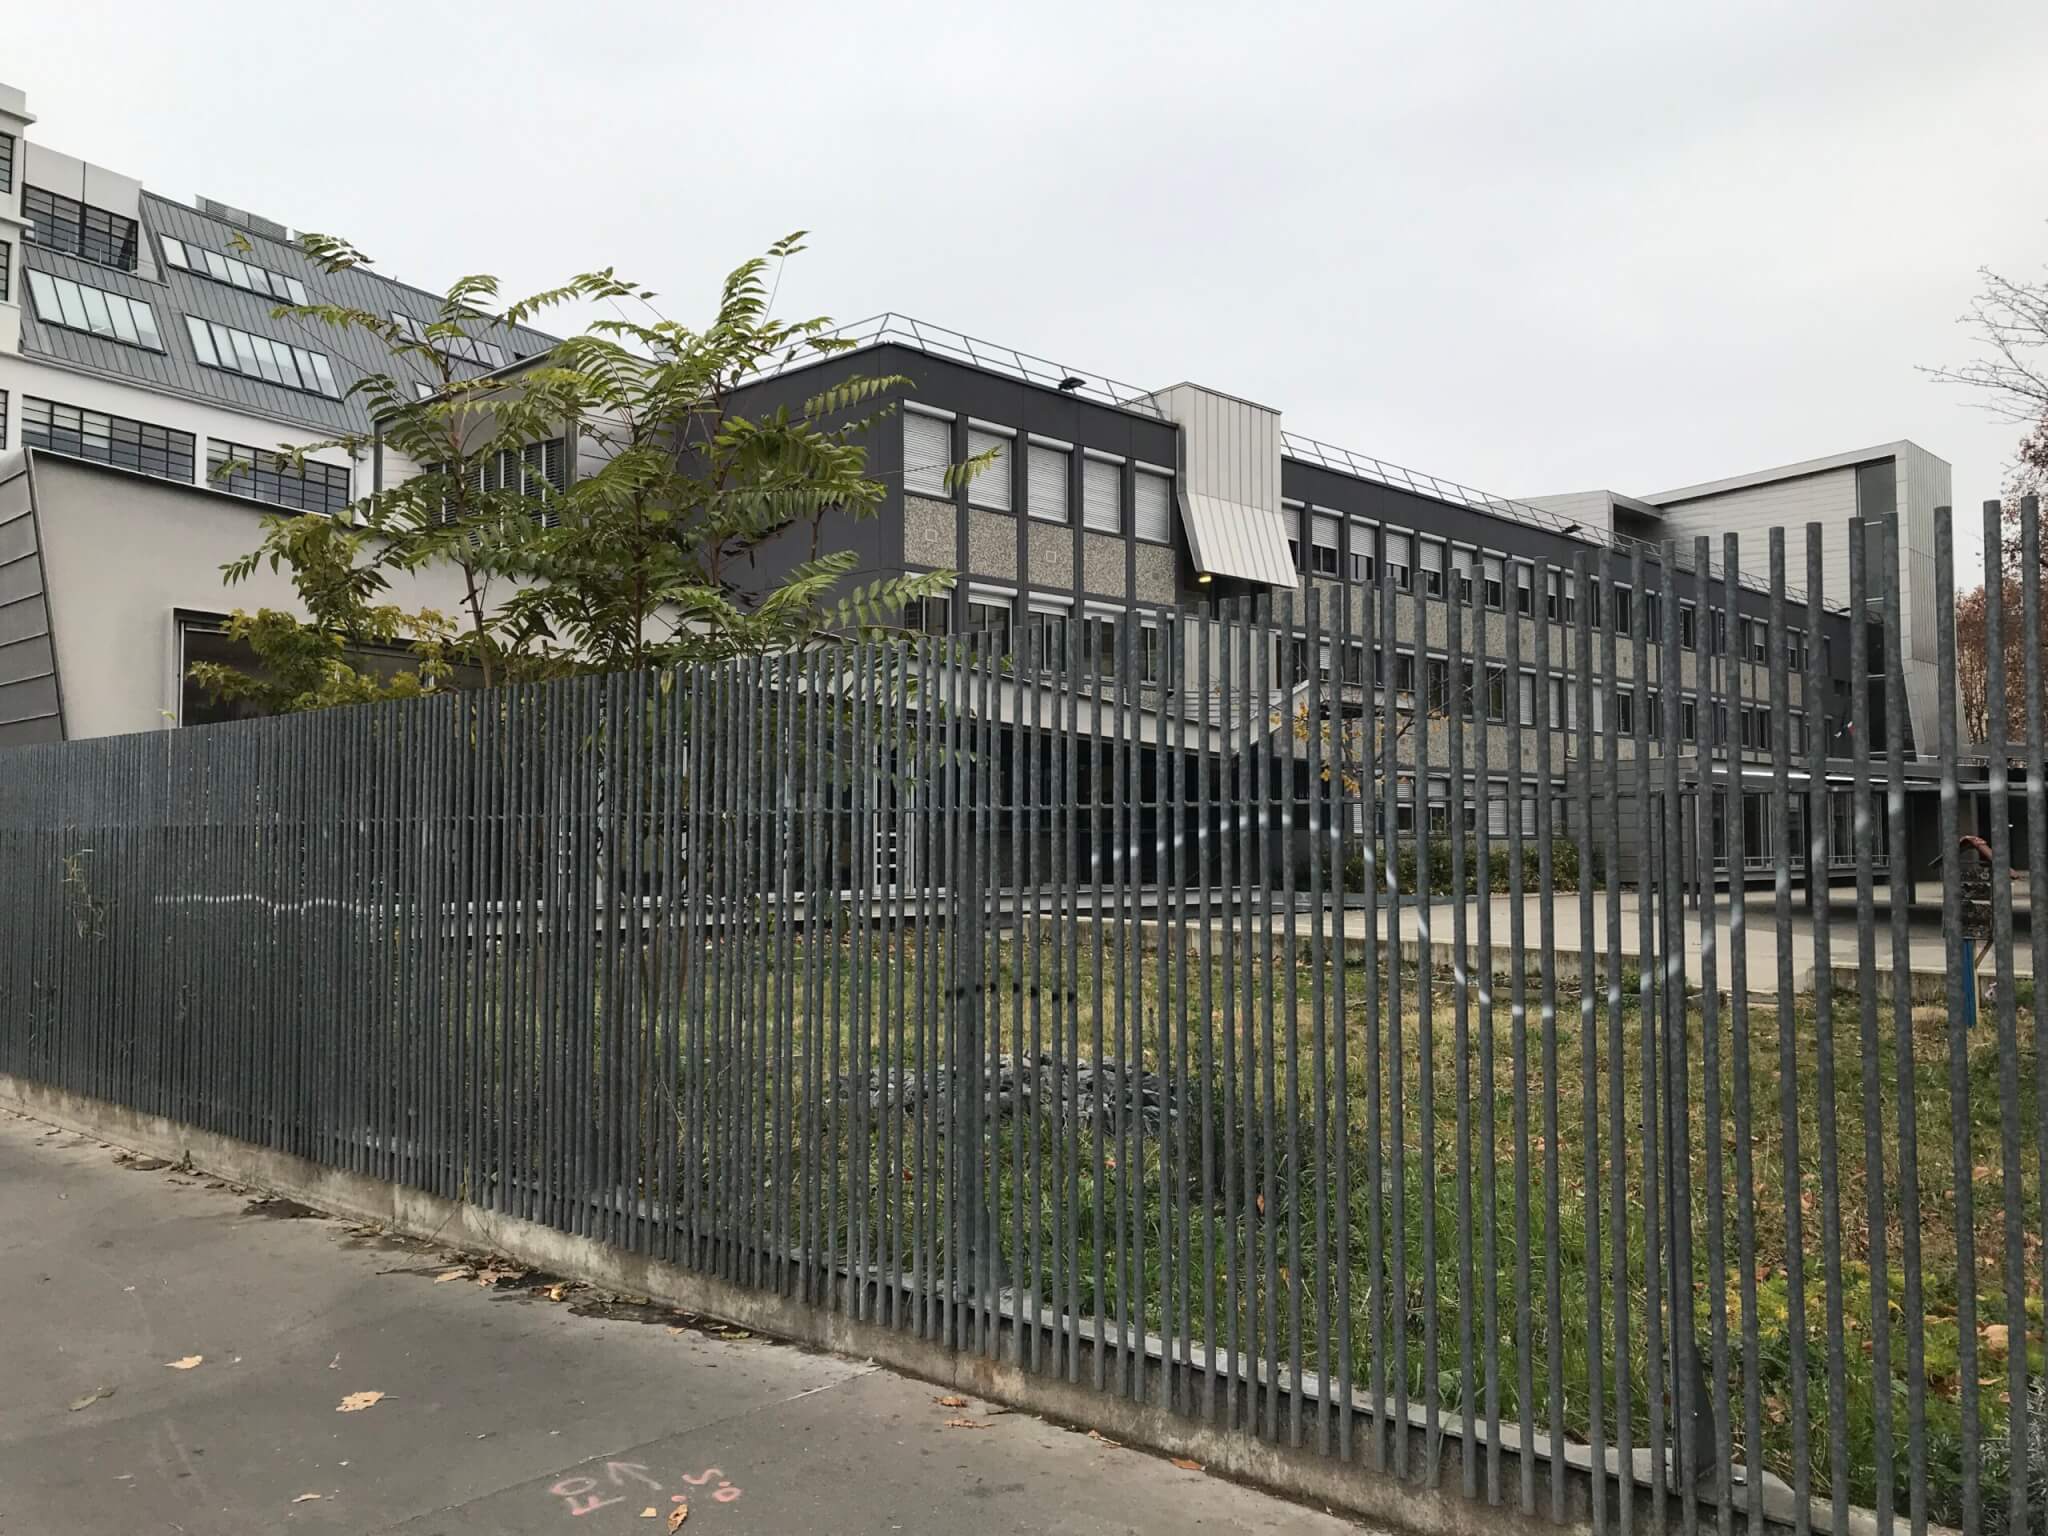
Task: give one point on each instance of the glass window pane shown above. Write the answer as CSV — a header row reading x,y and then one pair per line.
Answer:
x,y
202,340
145,324
45,289
73,304
245,352
174,252
216,264
123,312
296,290
327,384
96,316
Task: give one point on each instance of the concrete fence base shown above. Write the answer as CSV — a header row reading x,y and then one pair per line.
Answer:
x,y
1423,1497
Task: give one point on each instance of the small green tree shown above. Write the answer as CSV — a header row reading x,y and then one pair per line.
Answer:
x,y
636,563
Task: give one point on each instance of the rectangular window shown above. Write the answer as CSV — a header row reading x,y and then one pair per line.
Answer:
x,y
1525,702
1759,637
3,418
1688,625
1049,622
1294,514
443,336
1099,644
990,488
117,440
1102,494
927,452
1399,552
1497,693
6,162
1461,574
237,273
1404,673
1623,609
1432,568
79,229
1150,642
1365,565
1325,533
1653,614
242,470
1561,600
935,616
6,266
1047,470
1625,713
1688,720
988,613
1525,590
1437,678
1152,511
234,351
96,311
1495,570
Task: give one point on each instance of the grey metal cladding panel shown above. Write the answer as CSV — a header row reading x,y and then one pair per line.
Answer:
x,y
21,578
23,618
26,659
28,700
17,537
178,293
32,732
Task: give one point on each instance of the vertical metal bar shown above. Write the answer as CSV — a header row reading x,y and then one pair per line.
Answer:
x,y
1997,590
1287,785
1547,941
1813,695
1518,1021
2037,867
1722,1453
1213,735
1788,1069
1959,978
1464,982
1266,796
1687,1386
1351,803
1603,718
1489,1193
1577,710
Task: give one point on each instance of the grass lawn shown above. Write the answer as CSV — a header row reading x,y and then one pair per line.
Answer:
x,y
1063,1214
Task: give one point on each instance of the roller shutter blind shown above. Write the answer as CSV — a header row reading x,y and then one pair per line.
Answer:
x,y
927,451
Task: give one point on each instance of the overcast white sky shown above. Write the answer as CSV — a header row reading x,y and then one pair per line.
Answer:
x,y
1531,247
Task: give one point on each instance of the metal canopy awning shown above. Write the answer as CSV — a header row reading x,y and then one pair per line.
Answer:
x,y
1233,538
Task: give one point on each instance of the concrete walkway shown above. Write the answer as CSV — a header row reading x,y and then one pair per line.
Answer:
x,y
179,1357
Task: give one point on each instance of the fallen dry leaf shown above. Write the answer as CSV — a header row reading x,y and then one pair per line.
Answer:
x,y
453,1274
1997,1338
1185,1465
356,1402
735,1333
965,1424
490,1277
186,1363
649,1512
1096,1434
556,1291
305,1497
335,1363
677,1516
92,1397
950,1402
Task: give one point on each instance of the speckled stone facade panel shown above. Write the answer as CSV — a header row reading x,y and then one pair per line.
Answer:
x,y
1157,569
1052,555
992,545
1102,565
928,533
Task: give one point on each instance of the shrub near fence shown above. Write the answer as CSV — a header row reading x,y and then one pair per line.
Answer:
x,y
902,979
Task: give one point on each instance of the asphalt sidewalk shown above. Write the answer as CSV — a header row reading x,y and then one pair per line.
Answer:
x,y
178,1355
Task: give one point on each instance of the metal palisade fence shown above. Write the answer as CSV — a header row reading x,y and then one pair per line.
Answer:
x,y
1531,1046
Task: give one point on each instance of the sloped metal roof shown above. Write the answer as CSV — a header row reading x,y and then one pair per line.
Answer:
x,y
174,294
